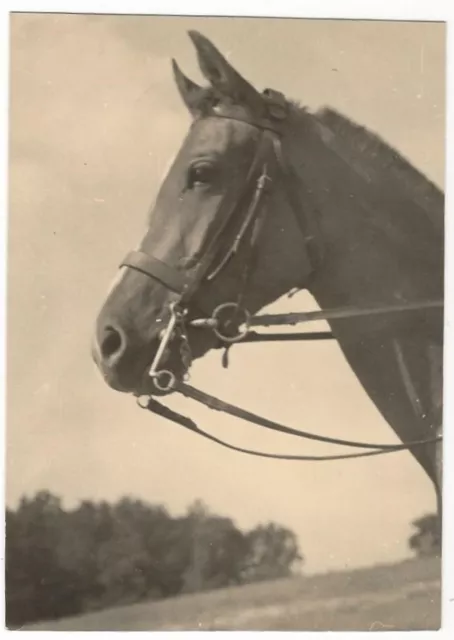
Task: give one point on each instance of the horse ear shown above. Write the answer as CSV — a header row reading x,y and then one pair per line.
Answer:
x,y
222,76
193,96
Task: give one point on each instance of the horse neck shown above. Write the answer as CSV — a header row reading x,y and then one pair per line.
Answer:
x,y
367,231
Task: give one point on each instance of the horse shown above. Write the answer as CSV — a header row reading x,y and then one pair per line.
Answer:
x,y
266,197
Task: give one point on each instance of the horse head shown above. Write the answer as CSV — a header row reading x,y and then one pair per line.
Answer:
x,y
222,239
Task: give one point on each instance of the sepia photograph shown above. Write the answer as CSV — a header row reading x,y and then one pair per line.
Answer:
x,y
225,323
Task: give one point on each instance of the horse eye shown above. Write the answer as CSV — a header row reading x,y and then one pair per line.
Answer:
x,y
200,174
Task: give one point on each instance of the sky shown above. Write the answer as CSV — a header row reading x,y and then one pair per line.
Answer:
x,y
95,119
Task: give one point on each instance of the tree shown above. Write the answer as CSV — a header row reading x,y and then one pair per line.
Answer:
x,y
273,552
426,541
36,585
217,550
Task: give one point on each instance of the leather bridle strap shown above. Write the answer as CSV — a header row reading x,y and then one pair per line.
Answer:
x,y
276,319
302,317
170,277
159,409
219,405
300,200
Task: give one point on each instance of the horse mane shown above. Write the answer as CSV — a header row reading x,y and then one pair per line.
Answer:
x,y
372,155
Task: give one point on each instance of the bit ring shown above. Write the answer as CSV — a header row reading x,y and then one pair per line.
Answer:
x,y
157,380
241,333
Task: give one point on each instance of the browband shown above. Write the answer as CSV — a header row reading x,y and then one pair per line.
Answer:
x,y
260,123
276,108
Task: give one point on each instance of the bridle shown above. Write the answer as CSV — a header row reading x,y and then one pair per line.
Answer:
x,y
230,321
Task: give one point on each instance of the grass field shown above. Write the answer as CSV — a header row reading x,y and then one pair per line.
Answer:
x,y
395,597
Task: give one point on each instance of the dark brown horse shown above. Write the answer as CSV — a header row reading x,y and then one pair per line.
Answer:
x,y
265,197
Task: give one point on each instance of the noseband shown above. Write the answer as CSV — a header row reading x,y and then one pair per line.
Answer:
x,y
230,321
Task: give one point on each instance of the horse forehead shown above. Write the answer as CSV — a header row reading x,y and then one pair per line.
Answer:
x,y
217,135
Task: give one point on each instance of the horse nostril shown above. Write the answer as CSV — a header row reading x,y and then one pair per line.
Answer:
x,y
112,342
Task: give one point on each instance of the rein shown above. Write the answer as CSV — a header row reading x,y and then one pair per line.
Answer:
x,y
220,405
230,321
217,404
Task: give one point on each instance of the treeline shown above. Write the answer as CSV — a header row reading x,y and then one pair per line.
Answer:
x,y
64,562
